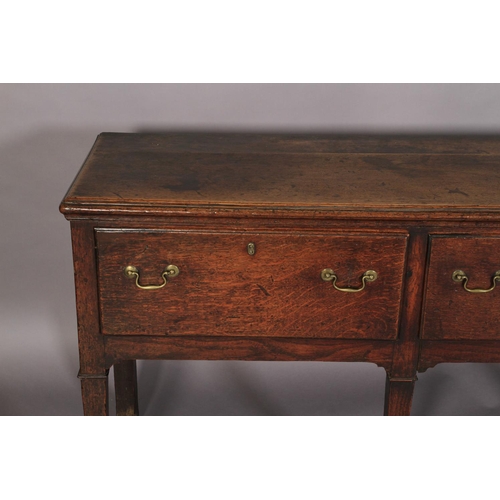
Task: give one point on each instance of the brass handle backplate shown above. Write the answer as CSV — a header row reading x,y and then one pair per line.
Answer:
x,y
329,275
132,272
460,276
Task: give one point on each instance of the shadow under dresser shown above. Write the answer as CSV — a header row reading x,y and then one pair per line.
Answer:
x,y
382,249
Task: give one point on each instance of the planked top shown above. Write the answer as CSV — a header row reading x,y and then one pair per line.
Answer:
x,y
168,173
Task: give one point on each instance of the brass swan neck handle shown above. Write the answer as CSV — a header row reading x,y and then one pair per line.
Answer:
x,y
329,275
132,272
459,276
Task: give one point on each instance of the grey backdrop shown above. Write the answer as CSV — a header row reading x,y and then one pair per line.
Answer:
x,y
45,134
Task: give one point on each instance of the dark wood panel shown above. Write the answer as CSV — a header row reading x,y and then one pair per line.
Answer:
x,y
325,181
87,304
222,290
450,311
433,352
121,173
407,347
319,215
247,349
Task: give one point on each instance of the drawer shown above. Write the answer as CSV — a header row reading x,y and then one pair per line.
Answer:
x,y
450,311
221,289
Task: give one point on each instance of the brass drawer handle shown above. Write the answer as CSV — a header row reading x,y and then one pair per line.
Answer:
x,y
170,271
329,275
459,276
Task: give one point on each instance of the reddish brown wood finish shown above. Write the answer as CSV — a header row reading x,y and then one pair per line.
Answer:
x,y
402,374
125,373
93,372
278,180
125,170
450,311
90,340
277,292
433,352
95,395
248,349
398,397
307,202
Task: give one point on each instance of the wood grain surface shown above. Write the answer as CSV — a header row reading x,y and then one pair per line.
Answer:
x,y
398,397
222,290
123,347
450,312
433,352
90,340
412,208
125,170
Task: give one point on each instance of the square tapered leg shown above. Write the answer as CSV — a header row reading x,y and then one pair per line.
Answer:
x,y
126,388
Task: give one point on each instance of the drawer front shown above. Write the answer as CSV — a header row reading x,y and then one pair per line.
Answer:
x,y
450,311
223,289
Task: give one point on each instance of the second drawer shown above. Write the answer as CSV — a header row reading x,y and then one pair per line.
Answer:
x,y
462,294
250,284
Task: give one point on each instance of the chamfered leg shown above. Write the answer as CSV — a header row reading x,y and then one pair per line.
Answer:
x,y
126,388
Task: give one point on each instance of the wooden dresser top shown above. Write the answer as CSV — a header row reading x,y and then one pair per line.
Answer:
x,y
447,177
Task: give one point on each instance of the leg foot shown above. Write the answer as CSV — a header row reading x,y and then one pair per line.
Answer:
x,y
398,396
94,394
126,388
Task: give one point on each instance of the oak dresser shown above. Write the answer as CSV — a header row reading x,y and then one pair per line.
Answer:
x,y
285,247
